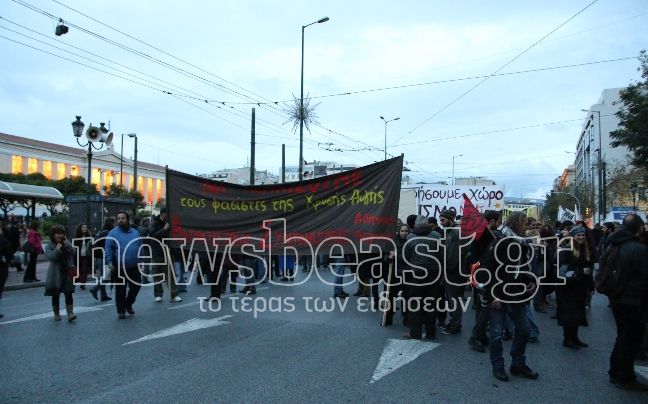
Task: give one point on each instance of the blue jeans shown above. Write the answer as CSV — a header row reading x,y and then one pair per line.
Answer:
x,y
534,330
518,314
338,269
178,268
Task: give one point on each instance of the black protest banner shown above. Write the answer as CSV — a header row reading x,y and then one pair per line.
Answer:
x,y
352,205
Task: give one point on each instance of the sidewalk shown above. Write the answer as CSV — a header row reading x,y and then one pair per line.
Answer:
x,y
15,279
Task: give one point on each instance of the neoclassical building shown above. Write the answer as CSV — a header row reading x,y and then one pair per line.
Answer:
x,y
25,156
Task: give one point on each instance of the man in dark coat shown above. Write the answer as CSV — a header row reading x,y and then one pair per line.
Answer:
x,y
423,279
630,306
454,282
160,260
13,234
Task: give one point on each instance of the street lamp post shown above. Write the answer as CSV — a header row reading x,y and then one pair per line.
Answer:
x,y
301,101
93,134
386,122
453,164
121,159
133,135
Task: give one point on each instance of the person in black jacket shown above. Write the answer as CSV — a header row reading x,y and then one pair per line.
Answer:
x,y
160,261
99,244
394,278
509,290
576,267
423,279
630,306
13,234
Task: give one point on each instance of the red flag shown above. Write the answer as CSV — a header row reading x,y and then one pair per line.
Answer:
x,y
472,221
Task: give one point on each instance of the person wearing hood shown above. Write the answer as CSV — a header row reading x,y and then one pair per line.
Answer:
x,y
630,306
576,267
512,285
394,277
122,256
423,279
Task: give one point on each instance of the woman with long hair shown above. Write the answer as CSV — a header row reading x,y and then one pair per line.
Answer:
x,y
576,267
83,243
35,244
60,254
394,278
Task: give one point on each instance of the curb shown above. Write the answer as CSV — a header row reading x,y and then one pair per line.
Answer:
x,y
21,286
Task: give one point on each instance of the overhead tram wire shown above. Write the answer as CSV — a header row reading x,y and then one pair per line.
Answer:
x,y
445,81
497,71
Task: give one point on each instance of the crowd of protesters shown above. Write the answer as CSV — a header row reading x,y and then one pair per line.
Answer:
x,y
427,261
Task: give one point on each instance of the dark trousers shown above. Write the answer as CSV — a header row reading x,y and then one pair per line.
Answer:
x,y
628,341
216,279
4,274
482,316
30,273
422,309
56,298
133,282
518,313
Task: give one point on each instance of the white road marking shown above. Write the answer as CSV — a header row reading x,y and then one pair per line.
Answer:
x,y
642,370
188,326
398,353
77,310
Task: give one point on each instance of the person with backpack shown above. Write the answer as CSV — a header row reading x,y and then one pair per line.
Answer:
x,y
627,281
576,267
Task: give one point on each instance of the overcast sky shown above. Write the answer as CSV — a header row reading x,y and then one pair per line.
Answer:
x,y
217,58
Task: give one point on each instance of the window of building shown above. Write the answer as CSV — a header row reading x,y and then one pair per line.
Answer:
x,y
32,165
96,175
149,184
109,177
60,171
47,169
16,164
160,189
74,171
140,184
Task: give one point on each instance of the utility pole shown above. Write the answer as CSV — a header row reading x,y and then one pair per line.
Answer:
x,y
283,163
252,170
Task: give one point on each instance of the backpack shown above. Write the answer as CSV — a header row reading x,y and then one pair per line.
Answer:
x,y
608,279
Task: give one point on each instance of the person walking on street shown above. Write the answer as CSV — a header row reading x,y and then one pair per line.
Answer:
x,y
161,259
454,281
630,305
100,243
13,234
122,256
511,285
61,256
576,267
34,247
83,243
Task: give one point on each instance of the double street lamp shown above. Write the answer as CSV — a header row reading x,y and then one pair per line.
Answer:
x,y
386,122
94,134
301,101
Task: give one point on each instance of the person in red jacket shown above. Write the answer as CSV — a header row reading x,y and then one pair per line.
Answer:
x,y
35,244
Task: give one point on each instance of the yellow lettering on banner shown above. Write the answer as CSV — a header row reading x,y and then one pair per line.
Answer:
x,y
333,200
192,203
239,206
359,197
283,205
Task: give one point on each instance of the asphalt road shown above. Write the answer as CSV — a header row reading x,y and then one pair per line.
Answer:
x,y
294,355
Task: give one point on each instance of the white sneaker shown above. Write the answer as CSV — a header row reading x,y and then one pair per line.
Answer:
x,y
177,299
158,299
